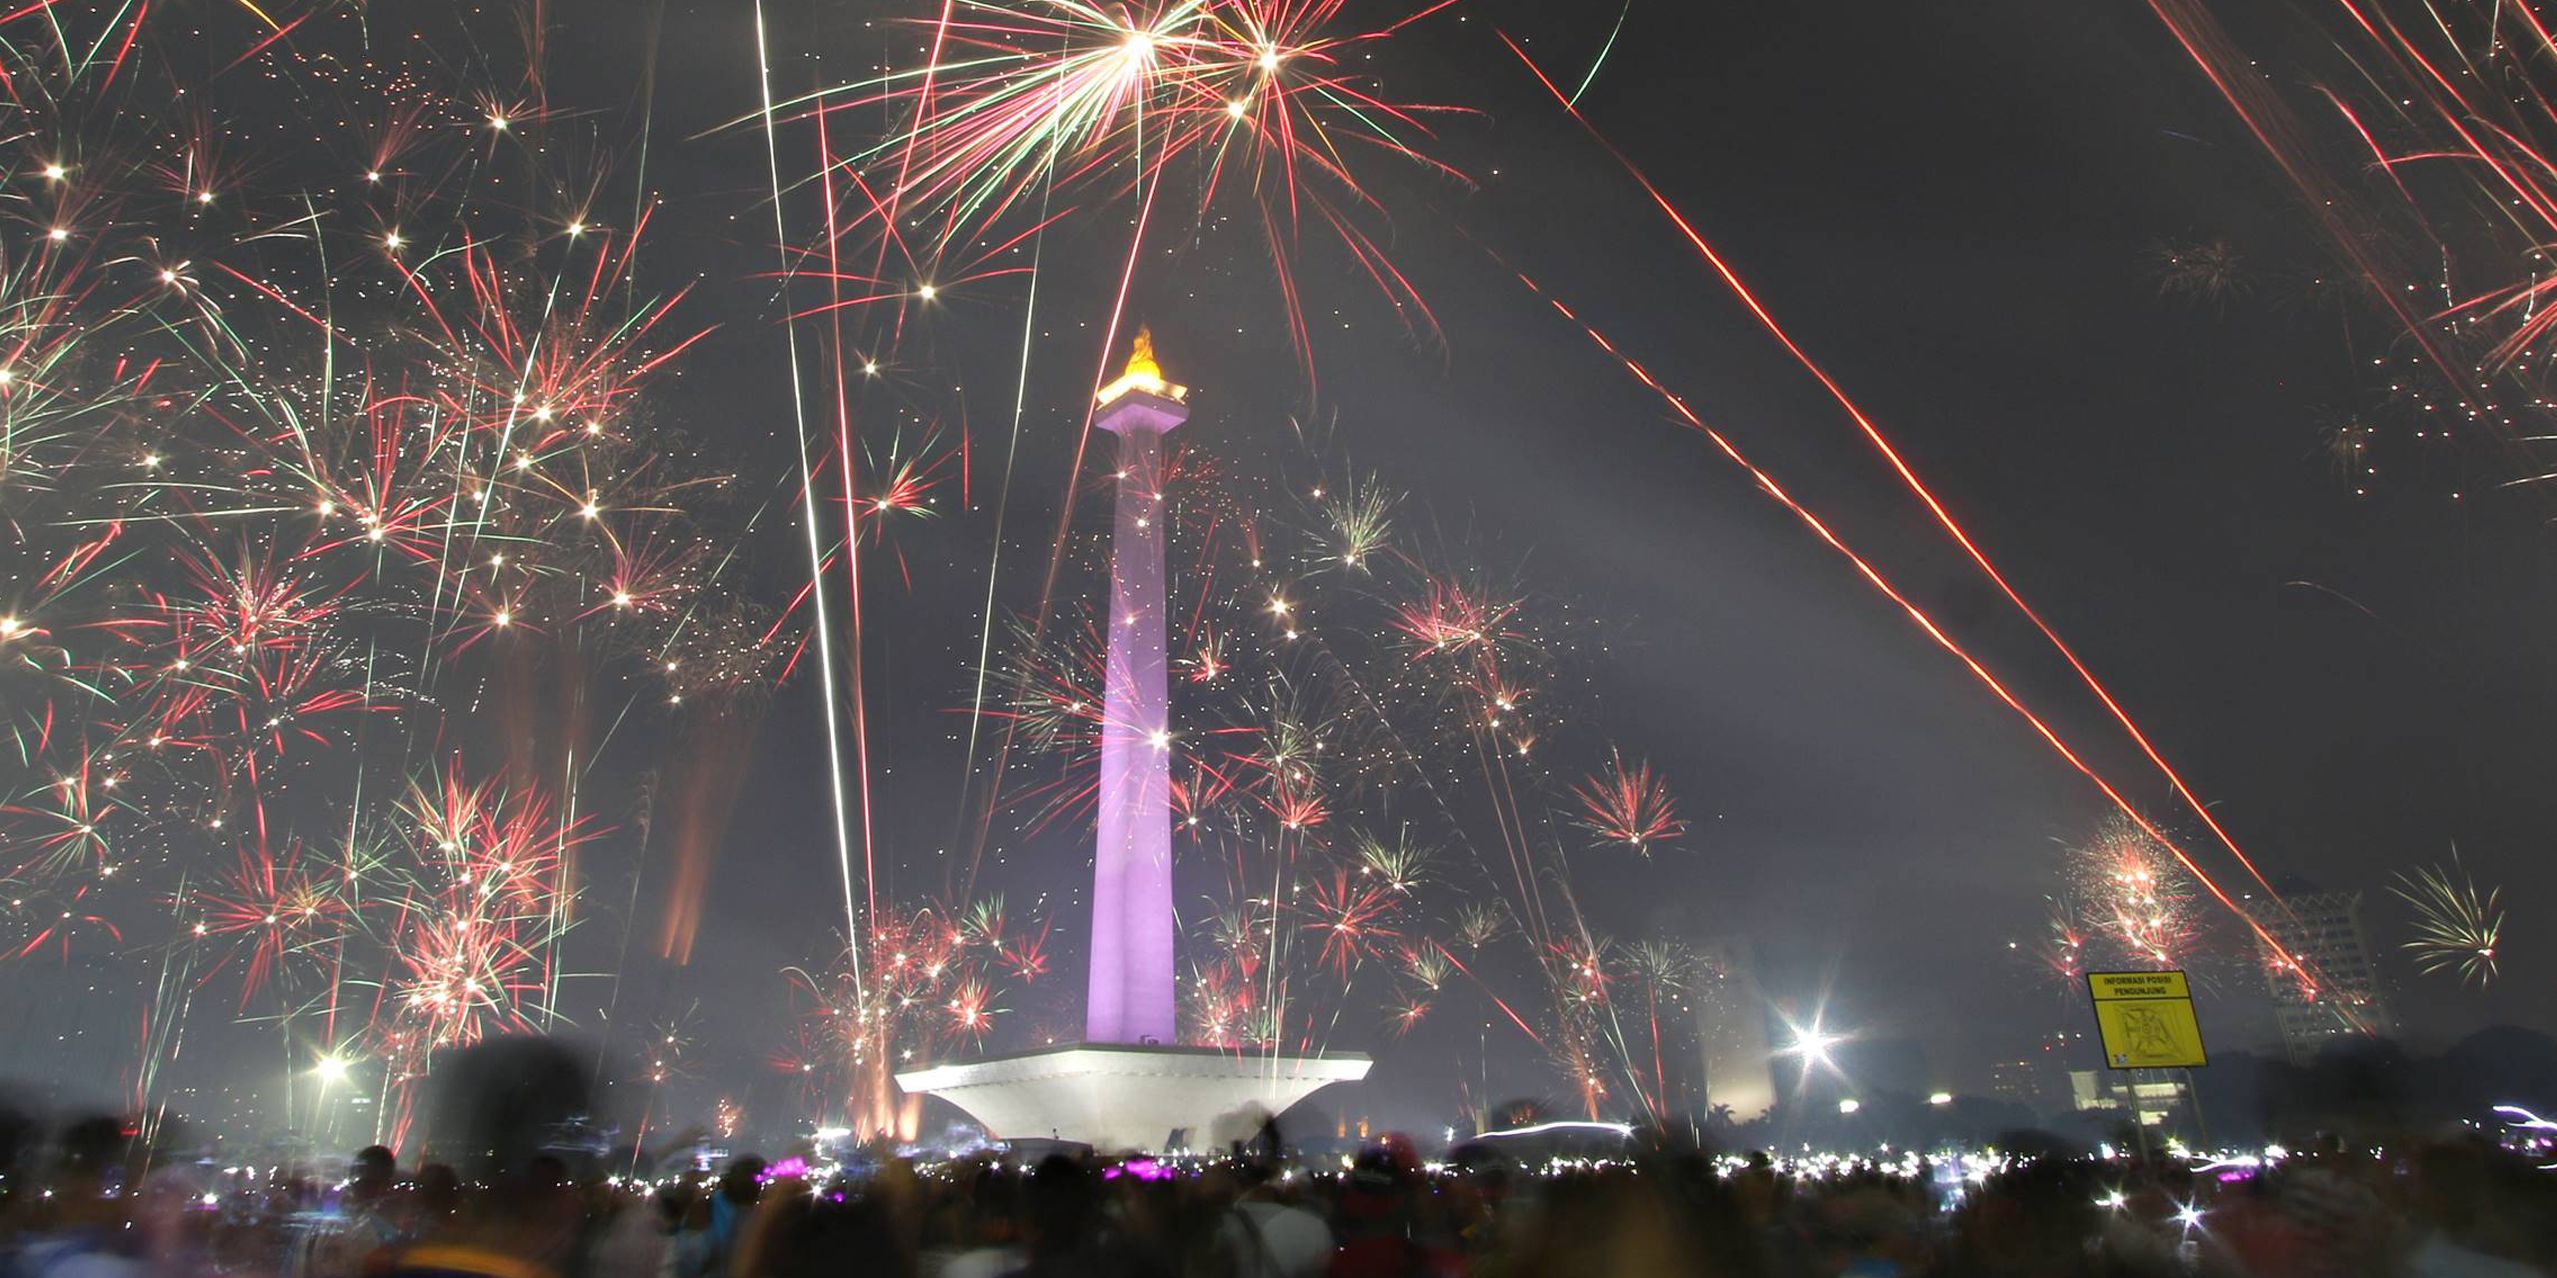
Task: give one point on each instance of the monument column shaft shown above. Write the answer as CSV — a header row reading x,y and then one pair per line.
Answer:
x,y
1129,1085
1131,996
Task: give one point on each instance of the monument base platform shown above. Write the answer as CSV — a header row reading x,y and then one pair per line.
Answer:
x,y
1118,1097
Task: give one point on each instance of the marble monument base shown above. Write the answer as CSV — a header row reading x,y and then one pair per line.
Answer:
x,y
1115,1096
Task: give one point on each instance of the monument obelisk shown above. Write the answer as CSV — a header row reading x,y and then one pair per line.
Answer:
x,y
1130,993
1128,1084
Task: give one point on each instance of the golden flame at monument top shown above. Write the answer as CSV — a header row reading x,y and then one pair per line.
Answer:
x,y
1142,373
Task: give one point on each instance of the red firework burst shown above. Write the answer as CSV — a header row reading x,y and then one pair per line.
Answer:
x,y
269,907
1354,919
1629,806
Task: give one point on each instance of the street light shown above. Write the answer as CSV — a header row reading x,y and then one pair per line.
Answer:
x,y
1812,1044
329,1072
1850,1105
1940,1098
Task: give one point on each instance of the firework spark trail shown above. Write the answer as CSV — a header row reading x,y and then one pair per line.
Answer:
x,y
1497,1000
1517,847
848,458
1485,748
1433,631
890,213
1587,973
1300,811
1066,506
163,1034
2271,124
1662,968
1873,577
1909,477
1493,757
994,560
1601,60
1514,836
808,510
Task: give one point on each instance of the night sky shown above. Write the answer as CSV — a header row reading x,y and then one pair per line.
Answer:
x,y
1957,210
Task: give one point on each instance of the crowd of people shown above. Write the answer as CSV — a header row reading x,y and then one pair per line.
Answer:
x,y
89,1209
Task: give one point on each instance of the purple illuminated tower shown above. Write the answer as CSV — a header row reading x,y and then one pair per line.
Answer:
x,y
1129,1085
1131,991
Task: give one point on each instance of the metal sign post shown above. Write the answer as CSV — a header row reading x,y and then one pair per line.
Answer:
x,y
2145,1021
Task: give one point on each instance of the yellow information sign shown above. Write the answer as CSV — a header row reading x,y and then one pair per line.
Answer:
x,y
2146,1020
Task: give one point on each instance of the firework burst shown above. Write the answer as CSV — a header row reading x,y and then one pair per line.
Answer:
x,y
306,473
2127,903
1629,806
2457,925
1265,103
926,980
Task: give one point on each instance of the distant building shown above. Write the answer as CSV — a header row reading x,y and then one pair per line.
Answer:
x,y
1731,1023
2151,1093
2019,1081
2333,991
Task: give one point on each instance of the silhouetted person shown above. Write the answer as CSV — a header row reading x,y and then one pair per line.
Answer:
x,y
85,1233
731,1206
1263,1236
1060,1203
1376,1215
439,1200
343,1241
493,1108
2467,1224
